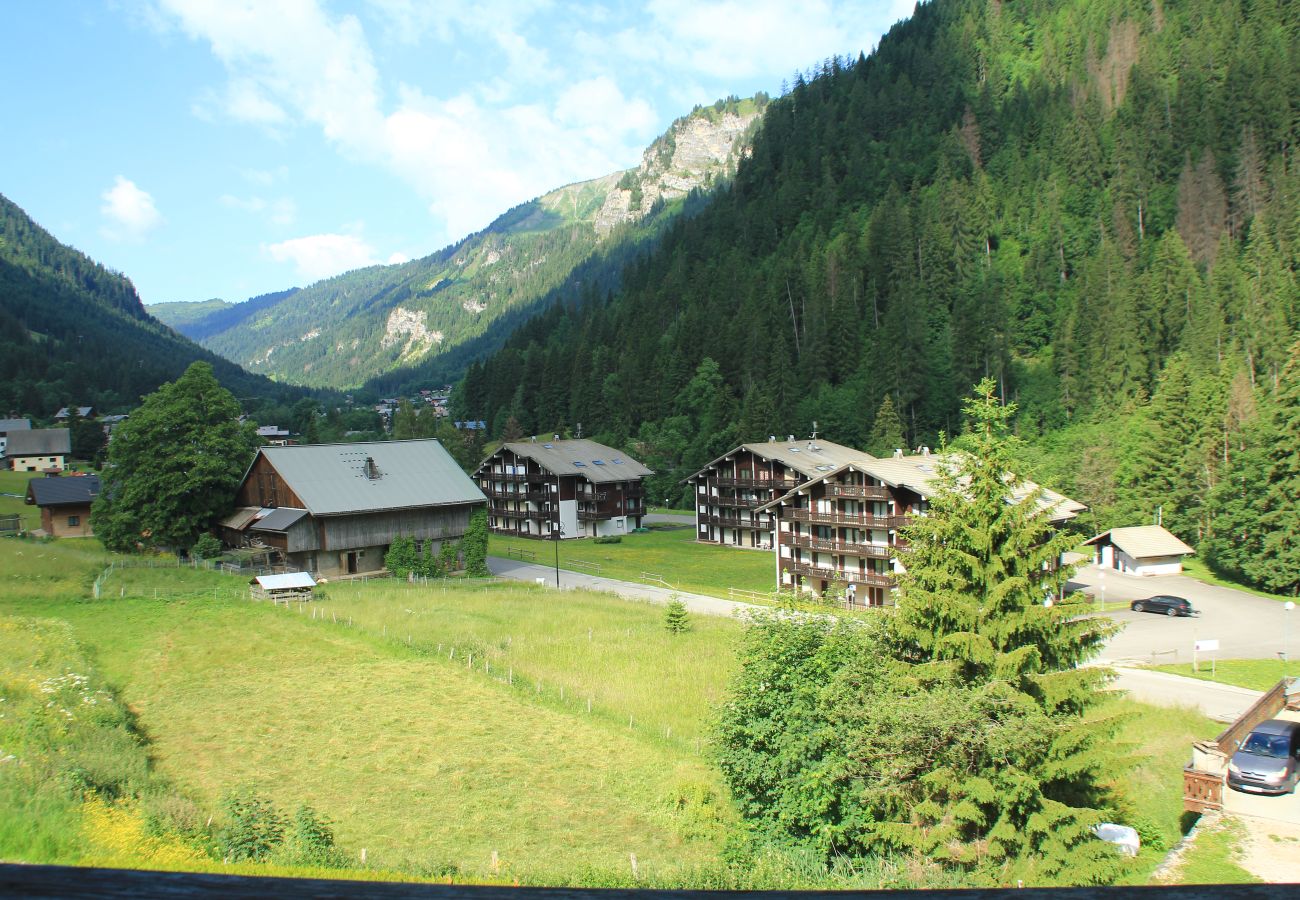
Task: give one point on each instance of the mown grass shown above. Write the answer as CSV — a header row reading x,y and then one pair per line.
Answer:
x,y
418,759
573,648
1256,674
674,555
16,483
1212,858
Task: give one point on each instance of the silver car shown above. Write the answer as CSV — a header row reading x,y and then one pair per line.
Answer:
x,y
1266,762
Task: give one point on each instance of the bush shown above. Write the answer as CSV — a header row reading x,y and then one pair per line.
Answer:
x,y
311,840
609,539
206,547
254,828
676,618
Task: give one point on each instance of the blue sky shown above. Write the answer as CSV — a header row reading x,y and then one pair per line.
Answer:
x,y
227,148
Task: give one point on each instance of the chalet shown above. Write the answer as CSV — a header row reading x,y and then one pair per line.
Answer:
x,y
562,489
70,412
275,435
334,509
64,503
38,450
10,425
731,490
842,526
1140,550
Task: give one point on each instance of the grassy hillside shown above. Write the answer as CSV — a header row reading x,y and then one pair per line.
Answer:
x,y
182,313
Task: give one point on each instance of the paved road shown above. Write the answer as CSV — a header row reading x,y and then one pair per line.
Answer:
x,y
1222,702
1246,626
696,603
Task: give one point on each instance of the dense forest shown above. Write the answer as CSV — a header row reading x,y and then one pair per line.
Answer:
x,y
72,332
1093,203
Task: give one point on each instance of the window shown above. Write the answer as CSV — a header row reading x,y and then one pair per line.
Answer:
x,y
74,521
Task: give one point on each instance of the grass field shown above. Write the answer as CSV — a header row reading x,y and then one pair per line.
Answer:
x,y
419,759
16,483
673,555
1256,674
1196,568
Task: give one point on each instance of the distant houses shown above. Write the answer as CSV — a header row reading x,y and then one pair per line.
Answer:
x,y
37,449
334,509
10,425
64,503
562,489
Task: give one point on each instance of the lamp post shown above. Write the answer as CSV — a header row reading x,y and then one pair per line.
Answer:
x,y
558,535
1286,635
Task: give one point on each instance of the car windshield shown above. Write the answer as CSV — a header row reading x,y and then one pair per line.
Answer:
x,y
1275,745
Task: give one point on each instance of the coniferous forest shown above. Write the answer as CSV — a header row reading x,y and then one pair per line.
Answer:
x,y
1093,203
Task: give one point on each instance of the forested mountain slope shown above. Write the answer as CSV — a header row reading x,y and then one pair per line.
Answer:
x,y
74,332
413,317
1070,197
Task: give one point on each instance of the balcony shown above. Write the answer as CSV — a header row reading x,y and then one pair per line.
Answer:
x,y
777,484
741,503
870,579
851,548
852,520
858,491
507,513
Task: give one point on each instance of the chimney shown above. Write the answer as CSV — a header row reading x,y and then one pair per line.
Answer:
x,y
771,439
925,451
371,470
790,438
898,453
555,437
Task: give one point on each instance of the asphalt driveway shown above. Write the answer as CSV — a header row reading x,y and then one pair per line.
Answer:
x,y
1246,626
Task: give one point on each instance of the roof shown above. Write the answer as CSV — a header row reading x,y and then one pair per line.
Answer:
x,y
287,581
595,462
240,518
39,442
8,425
332,479
82,412
280,519
920,473
1141,541
811,458
67,490
272,431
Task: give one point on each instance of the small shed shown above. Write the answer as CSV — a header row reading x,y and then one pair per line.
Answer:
x,y
1140,550
283,588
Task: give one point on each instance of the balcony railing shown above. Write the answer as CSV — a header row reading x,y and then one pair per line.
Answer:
x,y
858,491
852,548
851,576
854,520
778,484
741,502
504,512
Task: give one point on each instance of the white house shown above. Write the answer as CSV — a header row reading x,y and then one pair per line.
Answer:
x,y
1140,550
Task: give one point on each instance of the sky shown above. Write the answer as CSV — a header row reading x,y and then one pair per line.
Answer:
x,y
228,148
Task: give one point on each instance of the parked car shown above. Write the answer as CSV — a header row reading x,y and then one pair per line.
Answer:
x,y
1268,760
1164,603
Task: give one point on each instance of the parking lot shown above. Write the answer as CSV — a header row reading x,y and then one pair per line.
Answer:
x,y
1246,626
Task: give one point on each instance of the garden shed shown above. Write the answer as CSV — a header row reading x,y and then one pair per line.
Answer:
x,y
283,588
1140,550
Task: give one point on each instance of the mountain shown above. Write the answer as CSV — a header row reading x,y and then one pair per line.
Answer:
x,y
180,314
1064,196
371,322
75,332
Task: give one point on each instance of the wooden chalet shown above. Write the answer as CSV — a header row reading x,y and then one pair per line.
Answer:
x,y
842,526
334,509
562,489
64,503
732,492
38,449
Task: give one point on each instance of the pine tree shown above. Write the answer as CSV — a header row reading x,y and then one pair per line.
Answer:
x,y
886,431
1278,569
676,617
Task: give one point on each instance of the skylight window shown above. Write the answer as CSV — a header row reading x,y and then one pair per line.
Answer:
x,y
617,461
580,465
597,462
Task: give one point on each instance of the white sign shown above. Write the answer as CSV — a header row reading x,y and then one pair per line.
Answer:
x,y
1203,646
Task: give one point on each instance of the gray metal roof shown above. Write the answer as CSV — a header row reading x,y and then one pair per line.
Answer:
x,y
595,462
39,442
1142,541
67,490
8,425
332,479
280,519
810,458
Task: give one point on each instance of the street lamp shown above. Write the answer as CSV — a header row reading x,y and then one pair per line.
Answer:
x,y
557,536
1286,635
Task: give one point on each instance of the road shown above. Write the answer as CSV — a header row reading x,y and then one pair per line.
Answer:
x,y
1246,626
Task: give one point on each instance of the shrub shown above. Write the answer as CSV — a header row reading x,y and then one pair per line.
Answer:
x,y
311,840
676,618
206,547
609,539
253,828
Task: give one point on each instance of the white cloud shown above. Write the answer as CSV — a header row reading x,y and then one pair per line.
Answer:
x,y
280,211
397,258
319,256
130,211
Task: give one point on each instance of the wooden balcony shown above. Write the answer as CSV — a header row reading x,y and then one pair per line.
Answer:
x,y
777,484
850,548
870,579
740,502
858,491
504,512
850,520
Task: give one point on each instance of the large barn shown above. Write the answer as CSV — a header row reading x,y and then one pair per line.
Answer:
x,y
334,509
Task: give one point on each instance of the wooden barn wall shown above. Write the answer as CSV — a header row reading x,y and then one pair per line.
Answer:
x,y
265,487
379,528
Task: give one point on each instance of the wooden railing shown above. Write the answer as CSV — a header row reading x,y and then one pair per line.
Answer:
x,y
858,491
850,577
742,502
854,520
777,484
808,542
